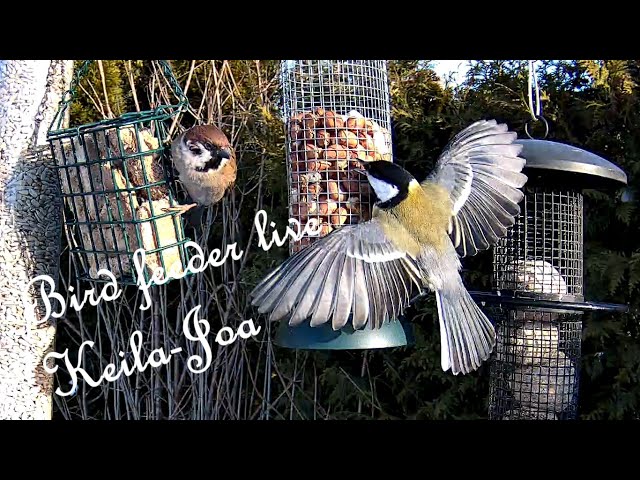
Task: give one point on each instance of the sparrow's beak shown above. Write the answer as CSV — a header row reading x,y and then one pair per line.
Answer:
x,y
224,153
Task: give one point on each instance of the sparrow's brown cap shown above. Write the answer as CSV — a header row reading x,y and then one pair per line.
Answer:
x,y
207,133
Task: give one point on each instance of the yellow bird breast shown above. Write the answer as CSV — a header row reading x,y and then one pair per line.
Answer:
x,y
420,219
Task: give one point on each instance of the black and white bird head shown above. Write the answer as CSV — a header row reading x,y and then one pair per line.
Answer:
x,y
389,181
205,148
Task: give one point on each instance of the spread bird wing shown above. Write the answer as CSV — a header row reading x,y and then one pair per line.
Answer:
x,y
354,272
481,170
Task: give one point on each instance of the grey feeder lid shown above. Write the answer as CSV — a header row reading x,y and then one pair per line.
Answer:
x,y
588,169
397,333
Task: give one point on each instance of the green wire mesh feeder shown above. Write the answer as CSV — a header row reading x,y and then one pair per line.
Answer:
x,y
118,191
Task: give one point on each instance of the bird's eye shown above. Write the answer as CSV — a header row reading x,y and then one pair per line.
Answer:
x,y
196,150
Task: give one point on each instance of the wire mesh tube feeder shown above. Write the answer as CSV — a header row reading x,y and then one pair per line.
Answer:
x,y
119,192
538,300
337,112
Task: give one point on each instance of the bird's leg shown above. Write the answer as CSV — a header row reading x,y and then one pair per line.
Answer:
x,y
180,209
195,217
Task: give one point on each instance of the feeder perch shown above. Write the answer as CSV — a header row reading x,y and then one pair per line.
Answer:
x,y
537,300
337,114
116,185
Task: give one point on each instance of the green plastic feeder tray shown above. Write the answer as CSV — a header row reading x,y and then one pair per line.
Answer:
x,y
397,333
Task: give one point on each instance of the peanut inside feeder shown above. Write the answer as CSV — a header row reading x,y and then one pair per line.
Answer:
x,y
325,148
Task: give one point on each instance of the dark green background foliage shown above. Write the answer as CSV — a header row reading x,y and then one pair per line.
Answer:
x,y
590,104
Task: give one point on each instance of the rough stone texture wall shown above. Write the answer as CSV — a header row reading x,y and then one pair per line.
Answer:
x,y
30,219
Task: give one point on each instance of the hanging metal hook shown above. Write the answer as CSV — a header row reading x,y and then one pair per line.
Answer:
x,y
533,84
546,127
536,113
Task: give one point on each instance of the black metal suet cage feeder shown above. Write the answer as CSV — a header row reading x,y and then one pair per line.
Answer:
x,y
537,300
337,112
117,187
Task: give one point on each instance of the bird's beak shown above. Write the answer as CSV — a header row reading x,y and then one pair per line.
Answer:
x,y
224,153
359,170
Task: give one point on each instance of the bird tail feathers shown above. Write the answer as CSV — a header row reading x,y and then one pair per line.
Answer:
x,y
467,336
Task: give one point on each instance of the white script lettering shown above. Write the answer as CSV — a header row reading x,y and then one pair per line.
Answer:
x,y
260,222
73,301
159,278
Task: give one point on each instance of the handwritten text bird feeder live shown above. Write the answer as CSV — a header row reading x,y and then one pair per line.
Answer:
x,y
118,189
538,297
337,112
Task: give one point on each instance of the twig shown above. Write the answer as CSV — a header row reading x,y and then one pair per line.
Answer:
x,y
128,67
104,88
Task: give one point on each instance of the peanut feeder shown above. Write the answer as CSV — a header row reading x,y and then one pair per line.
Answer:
x,y
337,115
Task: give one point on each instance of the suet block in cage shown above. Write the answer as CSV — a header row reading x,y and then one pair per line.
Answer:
x,y
534,371
337,114
538,291
117,191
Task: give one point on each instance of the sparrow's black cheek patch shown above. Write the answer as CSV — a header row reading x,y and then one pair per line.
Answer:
x,y
211,164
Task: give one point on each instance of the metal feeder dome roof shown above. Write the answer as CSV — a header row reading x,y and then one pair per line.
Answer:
x,y
585,167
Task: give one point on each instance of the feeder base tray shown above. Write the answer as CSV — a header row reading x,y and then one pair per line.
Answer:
x,y
398,333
